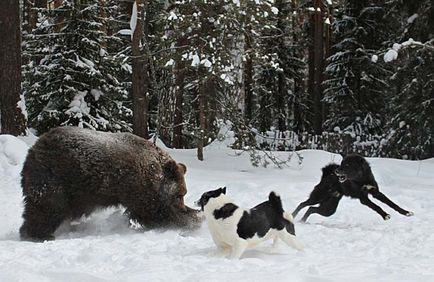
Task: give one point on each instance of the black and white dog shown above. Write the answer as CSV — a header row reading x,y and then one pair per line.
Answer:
x,y
234,229
353,178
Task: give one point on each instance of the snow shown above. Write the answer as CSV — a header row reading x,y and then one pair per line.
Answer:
x,y
78,106
411,19
374,58
172,16
169,63
390,55
96,93
195,60
207,63
133,20
354,244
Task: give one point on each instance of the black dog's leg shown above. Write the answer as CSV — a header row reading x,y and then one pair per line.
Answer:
x,y
380,196
326,208
308,202
365,201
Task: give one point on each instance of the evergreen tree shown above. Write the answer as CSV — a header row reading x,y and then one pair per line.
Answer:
x,y
71,78
278,67
200,35
354,88
410,133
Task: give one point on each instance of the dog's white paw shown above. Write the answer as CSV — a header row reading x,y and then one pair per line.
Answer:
x,y
387,217
409,214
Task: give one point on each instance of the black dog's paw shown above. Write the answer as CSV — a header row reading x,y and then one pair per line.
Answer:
x,y
409,213
386,217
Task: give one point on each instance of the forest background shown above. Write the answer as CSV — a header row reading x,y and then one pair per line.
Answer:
x,y
343,76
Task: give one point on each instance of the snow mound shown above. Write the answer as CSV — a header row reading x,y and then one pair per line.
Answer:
x,y
13,152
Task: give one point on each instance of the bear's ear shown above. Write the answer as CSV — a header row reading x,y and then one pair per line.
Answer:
x,y
183,167
170,169
223,190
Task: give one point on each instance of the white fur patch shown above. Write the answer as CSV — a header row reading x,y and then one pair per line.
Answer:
x,y
288,217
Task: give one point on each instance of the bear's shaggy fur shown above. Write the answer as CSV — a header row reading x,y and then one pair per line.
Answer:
x,y
70,172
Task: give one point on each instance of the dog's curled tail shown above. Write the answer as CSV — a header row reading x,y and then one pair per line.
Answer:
x,y
276,202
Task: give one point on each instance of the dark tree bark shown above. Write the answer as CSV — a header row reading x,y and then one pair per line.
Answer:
x,y
140,76
12,119
282,98
248,81
203,91
179,98
316,65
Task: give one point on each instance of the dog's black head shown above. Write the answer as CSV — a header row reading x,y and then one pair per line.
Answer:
x,y
208,195
353,167
329,170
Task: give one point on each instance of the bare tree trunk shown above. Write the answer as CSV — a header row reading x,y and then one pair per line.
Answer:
x,y
140,76
248,82
316,65
179,99
12,119
202,119
281,99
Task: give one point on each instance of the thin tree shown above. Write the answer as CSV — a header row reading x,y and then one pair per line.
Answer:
x,y
11,116
140,73
316,64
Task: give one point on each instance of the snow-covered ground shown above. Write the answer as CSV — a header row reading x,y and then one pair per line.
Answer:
x,y
354,244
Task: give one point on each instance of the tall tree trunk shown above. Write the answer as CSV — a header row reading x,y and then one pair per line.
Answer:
x,y
281,102
140,76
248,80
179,97
282,98
203,90
316,65
12,119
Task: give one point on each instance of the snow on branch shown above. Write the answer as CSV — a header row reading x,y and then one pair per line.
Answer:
x,y
133,23
392,54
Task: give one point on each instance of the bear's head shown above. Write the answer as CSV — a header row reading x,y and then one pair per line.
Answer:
x,y
173,184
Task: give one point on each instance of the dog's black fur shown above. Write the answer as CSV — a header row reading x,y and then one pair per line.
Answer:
x,y
327,194
263,217
353,178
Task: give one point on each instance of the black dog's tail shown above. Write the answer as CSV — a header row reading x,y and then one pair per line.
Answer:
x,y
276,202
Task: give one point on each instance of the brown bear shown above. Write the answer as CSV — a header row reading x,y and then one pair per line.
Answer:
x,y
70,172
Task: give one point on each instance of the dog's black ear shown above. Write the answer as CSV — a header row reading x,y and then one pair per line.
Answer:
x,y
224,190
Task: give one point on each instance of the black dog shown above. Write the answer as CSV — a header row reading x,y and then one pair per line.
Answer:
x,y
353,178
327,194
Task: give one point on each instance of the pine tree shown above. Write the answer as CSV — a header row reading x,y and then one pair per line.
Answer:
x,y
410,133
279,66
200,34
354,88
71,78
